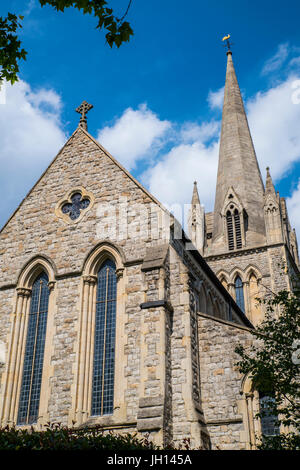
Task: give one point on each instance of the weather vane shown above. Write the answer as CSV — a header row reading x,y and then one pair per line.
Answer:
x,y
228,43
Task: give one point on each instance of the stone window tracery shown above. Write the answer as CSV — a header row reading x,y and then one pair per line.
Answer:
x,y
74,205
78,203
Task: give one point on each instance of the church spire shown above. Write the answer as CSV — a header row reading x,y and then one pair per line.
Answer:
x,y
196,221
238,169
195,198
269,184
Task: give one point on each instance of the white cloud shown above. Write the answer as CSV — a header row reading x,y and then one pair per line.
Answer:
x,y
31,5
193,154
295,62
293,205
30,135
171,179
278,59
274,122
192,132
215,98
133,136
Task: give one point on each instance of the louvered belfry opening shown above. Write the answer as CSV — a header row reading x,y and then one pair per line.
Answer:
x,y
230,231
234,231
237,226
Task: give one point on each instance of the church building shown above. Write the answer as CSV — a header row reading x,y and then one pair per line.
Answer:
x,y
111,315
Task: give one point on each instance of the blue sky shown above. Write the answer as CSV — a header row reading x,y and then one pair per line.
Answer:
x,y
157,100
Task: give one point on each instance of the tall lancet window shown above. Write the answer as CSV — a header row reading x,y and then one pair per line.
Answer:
x,y
34,352
105,333
239,293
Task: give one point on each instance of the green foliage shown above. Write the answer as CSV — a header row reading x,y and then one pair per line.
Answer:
x,y
273,369
10,48
118,31
58,437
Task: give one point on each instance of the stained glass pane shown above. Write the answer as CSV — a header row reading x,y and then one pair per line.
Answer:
x,y
239,293
34,352
269,422
105,333
78,204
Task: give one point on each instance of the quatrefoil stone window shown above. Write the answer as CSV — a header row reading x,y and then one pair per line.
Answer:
x,y
77,204
74,205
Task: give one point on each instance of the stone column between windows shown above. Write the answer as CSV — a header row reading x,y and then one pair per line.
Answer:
x,y
15,357
247,300
86,344
231,289
250,414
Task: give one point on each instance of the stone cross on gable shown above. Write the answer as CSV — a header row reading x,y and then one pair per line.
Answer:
x,y
83,109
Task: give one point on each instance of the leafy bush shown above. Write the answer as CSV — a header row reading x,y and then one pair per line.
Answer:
x,y
58,437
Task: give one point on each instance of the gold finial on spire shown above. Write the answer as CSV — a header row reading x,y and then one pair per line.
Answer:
x,y
228,43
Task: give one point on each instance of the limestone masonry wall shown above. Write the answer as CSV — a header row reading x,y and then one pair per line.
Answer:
x,y
221,382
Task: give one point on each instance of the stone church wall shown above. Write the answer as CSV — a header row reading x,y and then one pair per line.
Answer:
x,y
221,382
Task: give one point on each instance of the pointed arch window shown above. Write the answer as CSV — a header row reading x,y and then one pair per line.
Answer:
x,y
239,293
105,333
260,418
34,352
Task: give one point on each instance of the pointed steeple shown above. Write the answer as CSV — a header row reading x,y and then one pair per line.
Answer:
x,y
269,185
238,167
195,198
273,220
196,221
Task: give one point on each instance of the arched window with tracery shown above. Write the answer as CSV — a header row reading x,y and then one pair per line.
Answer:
x,y
259,415
104,345
239,293
34,352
